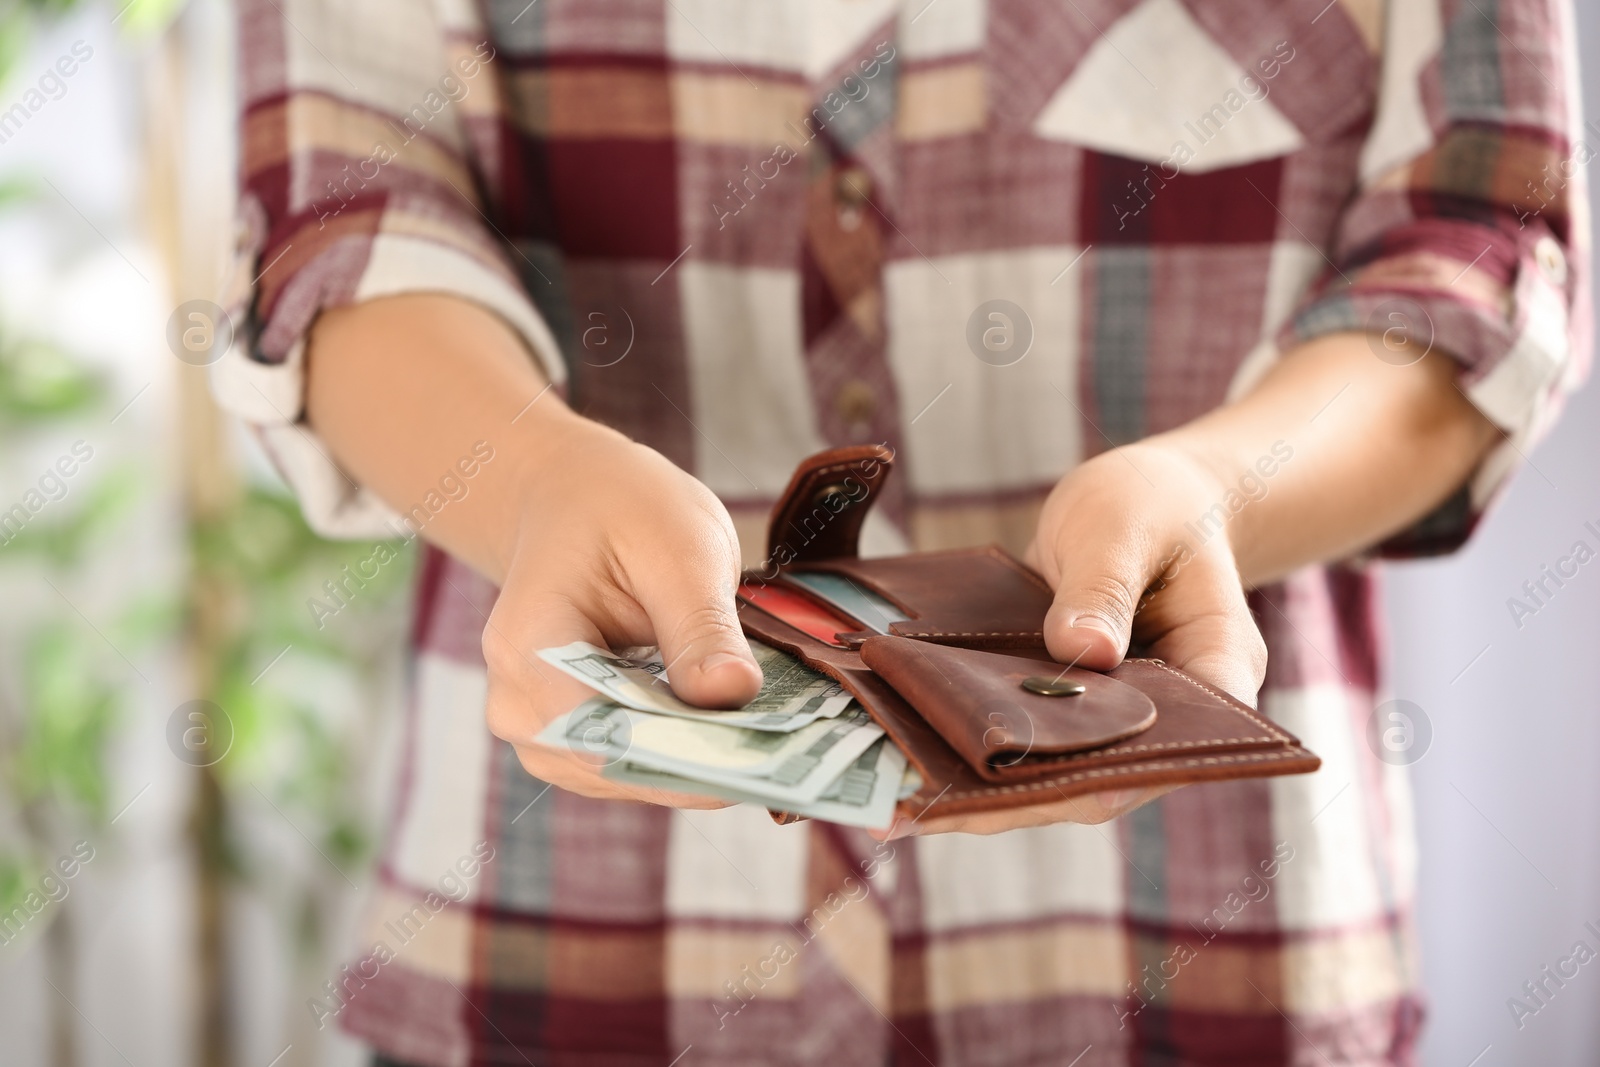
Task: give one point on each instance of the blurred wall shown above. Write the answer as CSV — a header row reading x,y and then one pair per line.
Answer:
x,y
1508,798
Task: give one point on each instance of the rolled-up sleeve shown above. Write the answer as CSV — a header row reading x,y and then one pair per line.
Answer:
x,y
1469,235
361,124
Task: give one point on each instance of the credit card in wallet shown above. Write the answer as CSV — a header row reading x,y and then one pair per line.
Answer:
x,y
800,612
866,607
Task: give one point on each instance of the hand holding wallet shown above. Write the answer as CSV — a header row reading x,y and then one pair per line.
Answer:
x,y
946,651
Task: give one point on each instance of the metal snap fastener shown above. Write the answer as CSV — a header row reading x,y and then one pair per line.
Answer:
x,y
835,497
1047,686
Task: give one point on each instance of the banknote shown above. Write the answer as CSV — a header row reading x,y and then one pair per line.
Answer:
x,y
792,767
864,795
792,695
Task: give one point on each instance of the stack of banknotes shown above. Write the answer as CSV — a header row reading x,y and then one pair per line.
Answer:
x,y
803,745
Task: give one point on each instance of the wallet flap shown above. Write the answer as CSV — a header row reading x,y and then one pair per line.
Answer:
x,y
978,703
820,513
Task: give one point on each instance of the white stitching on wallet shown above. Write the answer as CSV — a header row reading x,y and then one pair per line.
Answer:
x,y
1106,772
1277,734
975,633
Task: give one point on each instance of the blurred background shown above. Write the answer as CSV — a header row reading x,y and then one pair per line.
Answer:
x,y
189,878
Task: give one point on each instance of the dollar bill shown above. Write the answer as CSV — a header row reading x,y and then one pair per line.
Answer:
x,y
792,695
792,767
910,783
864,795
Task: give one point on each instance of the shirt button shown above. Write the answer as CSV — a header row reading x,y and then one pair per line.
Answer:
x,y
851,191
854,186
1552,261
855,402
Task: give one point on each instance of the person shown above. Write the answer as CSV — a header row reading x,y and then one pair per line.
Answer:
x,y
1200,306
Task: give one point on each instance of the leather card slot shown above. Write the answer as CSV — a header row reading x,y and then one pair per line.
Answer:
x,y
974,597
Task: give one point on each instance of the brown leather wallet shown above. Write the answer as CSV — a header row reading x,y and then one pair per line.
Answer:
x,y
946,682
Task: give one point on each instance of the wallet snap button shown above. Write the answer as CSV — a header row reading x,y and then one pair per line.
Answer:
x,y
834,497
1052,687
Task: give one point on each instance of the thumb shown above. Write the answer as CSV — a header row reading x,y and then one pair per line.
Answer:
x,y
1201,624
1098,588
696,623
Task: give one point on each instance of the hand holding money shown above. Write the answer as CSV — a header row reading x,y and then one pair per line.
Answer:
x,y
583,567
588,536
802,745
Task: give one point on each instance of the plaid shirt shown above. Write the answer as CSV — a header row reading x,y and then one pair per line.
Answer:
x,y
744,231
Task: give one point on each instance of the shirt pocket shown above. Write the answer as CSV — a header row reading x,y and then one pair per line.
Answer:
x,y
1157,87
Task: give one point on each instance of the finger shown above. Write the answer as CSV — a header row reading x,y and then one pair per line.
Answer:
x,y
1102,573
1200,623
525,694
691,607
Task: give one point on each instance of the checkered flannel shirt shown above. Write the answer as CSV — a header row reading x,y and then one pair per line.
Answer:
x,y
744,230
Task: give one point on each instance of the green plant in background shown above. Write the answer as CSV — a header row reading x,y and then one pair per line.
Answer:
x,y
297,704
285,681
300,699
65,689
19,19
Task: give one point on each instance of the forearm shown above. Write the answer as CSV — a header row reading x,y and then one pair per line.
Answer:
x,y
1367,447
401,389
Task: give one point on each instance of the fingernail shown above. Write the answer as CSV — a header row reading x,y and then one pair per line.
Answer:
x,y
1089,622
720,659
